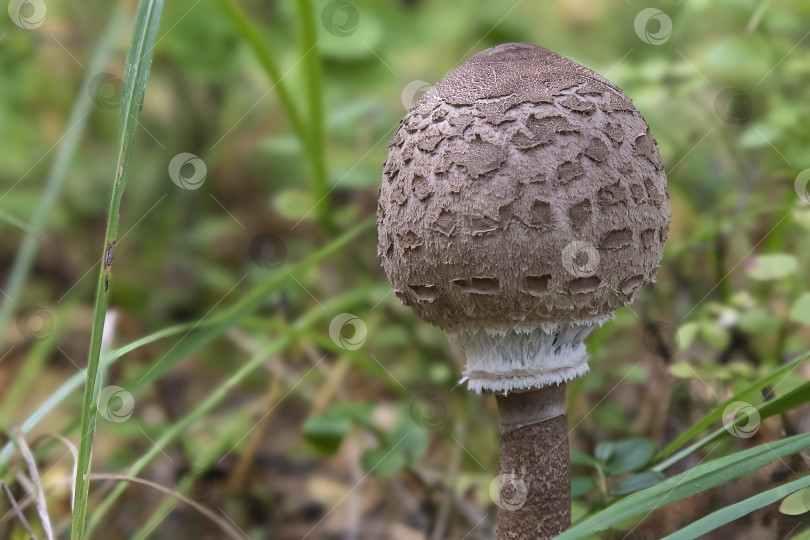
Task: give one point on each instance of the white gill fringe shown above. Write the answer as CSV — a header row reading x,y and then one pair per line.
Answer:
x,y
503,361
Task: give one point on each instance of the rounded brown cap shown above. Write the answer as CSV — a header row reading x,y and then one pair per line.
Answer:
x,y
522,191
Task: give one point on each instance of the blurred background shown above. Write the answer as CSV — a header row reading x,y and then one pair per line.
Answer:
x,y
277,376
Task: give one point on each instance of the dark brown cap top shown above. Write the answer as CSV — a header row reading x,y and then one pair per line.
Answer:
x,y
517,72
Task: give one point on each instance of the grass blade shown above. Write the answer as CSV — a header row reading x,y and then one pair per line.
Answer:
x,y
15,508
316,119
738,510
56,175
221,321
686,484
311,133
717,413
180,426
254,39
139,60
31,370
33,473
796,397
16,222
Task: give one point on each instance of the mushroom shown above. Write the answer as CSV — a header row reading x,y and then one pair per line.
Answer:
x,y
522,202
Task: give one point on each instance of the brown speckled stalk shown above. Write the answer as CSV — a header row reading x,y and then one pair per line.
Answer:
x,y
535,497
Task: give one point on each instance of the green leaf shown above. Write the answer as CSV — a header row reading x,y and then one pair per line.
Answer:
x,y
769,267
581,486
382,462
682,370
411,439
686,484
715,334
325,434
800,310
758,134
717,413
604,451
581,458
204,44
687,334
358,412
802,217
637,483
736,56
758,320
625,456
342,20
282,145
797,503
737,510
406,443
293,204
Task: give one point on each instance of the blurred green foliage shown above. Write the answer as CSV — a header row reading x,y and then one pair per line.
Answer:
x,y
725,93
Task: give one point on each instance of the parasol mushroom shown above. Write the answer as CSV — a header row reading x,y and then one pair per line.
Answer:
x,y
523,201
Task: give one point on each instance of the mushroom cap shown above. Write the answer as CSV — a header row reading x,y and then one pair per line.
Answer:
x,y
522,191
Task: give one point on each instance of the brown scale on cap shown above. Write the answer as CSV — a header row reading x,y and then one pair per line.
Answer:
x,y
512,157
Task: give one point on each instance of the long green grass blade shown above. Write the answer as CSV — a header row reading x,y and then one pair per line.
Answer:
x,y
717,413
254,39
320,314
686,484
738,510
139,60
317,117
312,132
198,337
31,370
796,397
16,222
221,320
185,484
77,119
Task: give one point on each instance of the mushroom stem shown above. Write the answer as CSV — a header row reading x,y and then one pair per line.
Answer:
x,y
534,488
